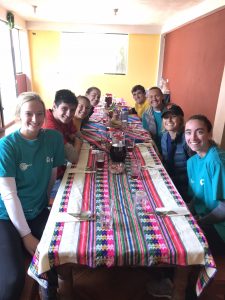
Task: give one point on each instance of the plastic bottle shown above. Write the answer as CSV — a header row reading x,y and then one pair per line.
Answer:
x,y
124,114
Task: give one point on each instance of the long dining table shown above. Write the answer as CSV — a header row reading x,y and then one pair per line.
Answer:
x,y
138,237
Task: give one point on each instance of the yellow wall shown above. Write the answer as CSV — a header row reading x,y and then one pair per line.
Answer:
x,y
45,61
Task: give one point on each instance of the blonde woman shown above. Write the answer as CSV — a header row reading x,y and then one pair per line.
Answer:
x,y
28,163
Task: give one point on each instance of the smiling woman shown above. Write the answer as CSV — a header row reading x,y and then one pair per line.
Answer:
x,y
31,115
206,174
28,162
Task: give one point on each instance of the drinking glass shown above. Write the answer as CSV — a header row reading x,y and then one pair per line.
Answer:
x,y
118,148
130,145
135,169
124,124
100,158
106,216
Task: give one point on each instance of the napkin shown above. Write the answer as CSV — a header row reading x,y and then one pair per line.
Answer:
x,y
75,217
152,167
172,211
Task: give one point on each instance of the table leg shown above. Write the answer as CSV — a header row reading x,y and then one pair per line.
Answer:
x,y
65,279
180,281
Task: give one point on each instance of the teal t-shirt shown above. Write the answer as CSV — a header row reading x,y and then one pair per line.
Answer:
x,y
158,121
30,162
207,183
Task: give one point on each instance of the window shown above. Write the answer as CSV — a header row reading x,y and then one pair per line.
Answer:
x,y
12,43
94,53
7,74
17,51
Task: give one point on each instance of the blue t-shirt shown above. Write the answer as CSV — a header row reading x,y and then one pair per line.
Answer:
x,y
207,183
30,162
158,121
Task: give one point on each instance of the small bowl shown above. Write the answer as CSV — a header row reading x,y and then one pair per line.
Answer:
x,y
115,123
117,168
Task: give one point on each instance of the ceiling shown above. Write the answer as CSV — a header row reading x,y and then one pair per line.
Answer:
x,y
109,12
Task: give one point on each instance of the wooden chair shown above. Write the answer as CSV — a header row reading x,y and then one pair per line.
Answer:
x,y
216,289
31,287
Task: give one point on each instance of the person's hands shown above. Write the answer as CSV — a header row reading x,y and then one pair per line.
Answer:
x,y
78,143
30,243
72,138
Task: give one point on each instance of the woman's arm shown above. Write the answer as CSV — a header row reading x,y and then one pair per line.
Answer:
x,y
72,151
15,212
217,177
52,181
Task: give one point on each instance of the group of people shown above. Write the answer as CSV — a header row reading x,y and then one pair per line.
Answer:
x,y
193,160
33,157
195,164
31,160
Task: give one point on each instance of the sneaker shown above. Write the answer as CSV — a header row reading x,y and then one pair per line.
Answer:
x,y
160,289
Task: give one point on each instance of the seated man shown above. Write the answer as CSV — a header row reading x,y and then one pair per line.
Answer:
x,y
60,118
139,95
152,117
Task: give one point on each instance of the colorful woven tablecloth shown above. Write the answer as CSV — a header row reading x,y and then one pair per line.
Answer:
x,y
94,130
137,237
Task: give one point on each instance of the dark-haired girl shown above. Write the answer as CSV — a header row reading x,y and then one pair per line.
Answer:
x,y
206,173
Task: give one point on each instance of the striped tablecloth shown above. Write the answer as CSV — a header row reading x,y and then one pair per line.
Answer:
x,y
137,237
95,129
